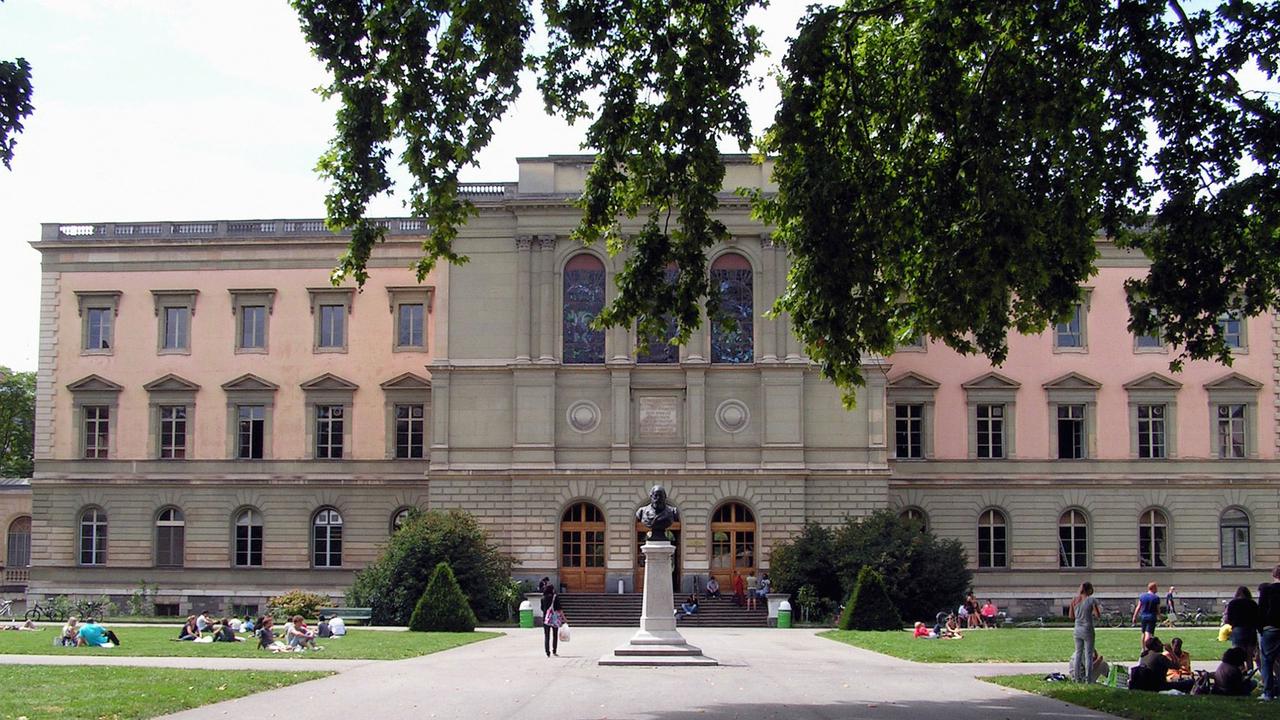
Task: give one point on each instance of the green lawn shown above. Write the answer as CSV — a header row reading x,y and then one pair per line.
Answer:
x,y
44,692
158,642
1024,645
1142,705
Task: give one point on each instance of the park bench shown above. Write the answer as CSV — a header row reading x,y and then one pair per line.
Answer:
x,y
348,613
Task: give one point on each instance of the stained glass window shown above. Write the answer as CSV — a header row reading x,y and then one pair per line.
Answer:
x,y
731,338
661,350
583,301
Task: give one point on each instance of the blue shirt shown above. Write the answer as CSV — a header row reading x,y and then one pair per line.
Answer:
x,y
1148,604
93,634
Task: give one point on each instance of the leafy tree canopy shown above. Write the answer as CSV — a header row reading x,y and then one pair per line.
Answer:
x,y
943,166
15,103
17,422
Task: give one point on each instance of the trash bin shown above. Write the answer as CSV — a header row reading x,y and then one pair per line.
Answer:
x,y
526,614
784,615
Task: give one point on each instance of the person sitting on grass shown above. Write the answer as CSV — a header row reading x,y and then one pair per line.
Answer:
x,y
1181,660
67,638
1152,671
921,631
91,634
989,612
189,631
267,636
1230,678
337,626
952,629
299,636
226,632
203,623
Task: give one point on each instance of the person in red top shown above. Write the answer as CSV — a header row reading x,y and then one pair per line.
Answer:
x,y
739,589
921,631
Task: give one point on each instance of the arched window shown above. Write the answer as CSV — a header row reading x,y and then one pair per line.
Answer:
x,y
18,555
1233,529
1073,539
248,538
732,338
583,300
733,542
1153,539
582,538
327,538
93,537
170,537
993,540
400,517
915,516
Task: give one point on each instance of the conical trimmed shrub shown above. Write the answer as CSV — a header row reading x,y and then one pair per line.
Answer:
x,y
443,607
869,607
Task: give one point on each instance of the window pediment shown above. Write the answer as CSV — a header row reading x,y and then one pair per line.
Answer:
x,y
171,383
250,383
1072,381
94,383
329,381
1152,381
913,381
991,381
1234,381
407,381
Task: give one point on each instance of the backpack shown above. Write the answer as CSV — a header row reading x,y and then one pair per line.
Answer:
x,y
1141,678
1203,684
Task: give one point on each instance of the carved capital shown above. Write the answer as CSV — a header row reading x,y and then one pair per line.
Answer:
x,y
546,242
766,241
524,242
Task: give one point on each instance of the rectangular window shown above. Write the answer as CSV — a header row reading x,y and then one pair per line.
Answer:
x,y
248,545
990,431
1152,549
98,330
1070,432
1235,546
409,326
1148,342
253,327
909,431
333,328
1070,334
329,432
1151,431
252,420
169,545
1231,431
177,328
173,432
97,422
1232,329
409,431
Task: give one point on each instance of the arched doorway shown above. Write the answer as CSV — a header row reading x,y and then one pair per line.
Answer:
x,y
582,536
641,532
733,543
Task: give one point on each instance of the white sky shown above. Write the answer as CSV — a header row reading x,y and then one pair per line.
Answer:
x,y
180,110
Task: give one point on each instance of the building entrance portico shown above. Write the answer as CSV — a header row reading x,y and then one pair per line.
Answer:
x,y
582,543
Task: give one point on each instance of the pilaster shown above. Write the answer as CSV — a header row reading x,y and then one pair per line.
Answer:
x,y
695,423
524,302
439,417
621,396
783,395
546,303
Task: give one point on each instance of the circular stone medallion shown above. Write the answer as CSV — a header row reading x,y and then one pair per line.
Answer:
x,y
583,416
733,416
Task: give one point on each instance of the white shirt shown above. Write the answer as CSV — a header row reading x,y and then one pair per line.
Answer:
x,y
202,623
337,627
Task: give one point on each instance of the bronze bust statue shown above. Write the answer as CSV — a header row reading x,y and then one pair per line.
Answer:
x,y
658,515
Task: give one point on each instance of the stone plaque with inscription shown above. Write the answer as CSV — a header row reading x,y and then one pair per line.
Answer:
x,y
659,417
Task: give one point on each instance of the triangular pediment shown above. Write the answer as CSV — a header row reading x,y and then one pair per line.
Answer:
x,y
407,381
912,380
1233,381
991,381
94,383
171,383
329,381
1072,381
1152,381
249,381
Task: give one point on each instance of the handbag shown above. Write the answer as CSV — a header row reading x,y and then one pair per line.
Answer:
x,y
564,631
554,618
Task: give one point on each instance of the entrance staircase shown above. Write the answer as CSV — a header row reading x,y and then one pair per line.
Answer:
x,y
614,610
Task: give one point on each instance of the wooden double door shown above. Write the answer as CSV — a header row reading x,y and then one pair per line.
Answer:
x,y
582,548
733,544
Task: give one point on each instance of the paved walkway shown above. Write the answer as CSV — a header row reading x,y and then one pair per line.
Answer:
x,y
195,663
764,674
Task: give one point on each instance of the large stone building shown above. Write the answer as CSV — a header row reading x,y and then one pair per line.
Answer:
x,y
215,418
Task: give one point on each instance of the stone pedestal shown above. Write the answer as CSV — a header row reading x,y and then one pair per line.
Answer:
x,y
657,642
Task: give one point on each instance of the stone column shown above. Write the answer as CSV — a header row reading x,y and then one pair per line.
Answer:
x,y
769,285
621,401
439,417
524,302
657,642
546,304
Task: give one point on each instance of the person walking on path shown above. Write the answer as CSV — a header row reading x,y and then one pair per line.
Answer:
x,y
1242,615
552,619
1148,611
1084,610
1171,601
1269,638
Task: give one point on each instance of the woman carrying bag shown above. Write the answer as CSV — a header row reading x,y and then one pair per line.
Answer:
x,y
552,619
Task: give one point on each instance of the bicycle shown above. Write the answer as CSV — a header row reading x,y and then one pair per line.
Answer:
x,y
1115,619
6,608
1188,619
1037,623
90,608
48,612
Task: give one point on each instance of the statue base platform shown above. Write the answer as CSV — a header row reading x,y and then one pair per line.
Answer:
x,y
658,643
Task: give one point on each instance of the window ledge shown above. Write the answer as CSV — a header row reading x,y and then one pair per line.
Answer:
x,y
327,350
251,351
1071,350
174,351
